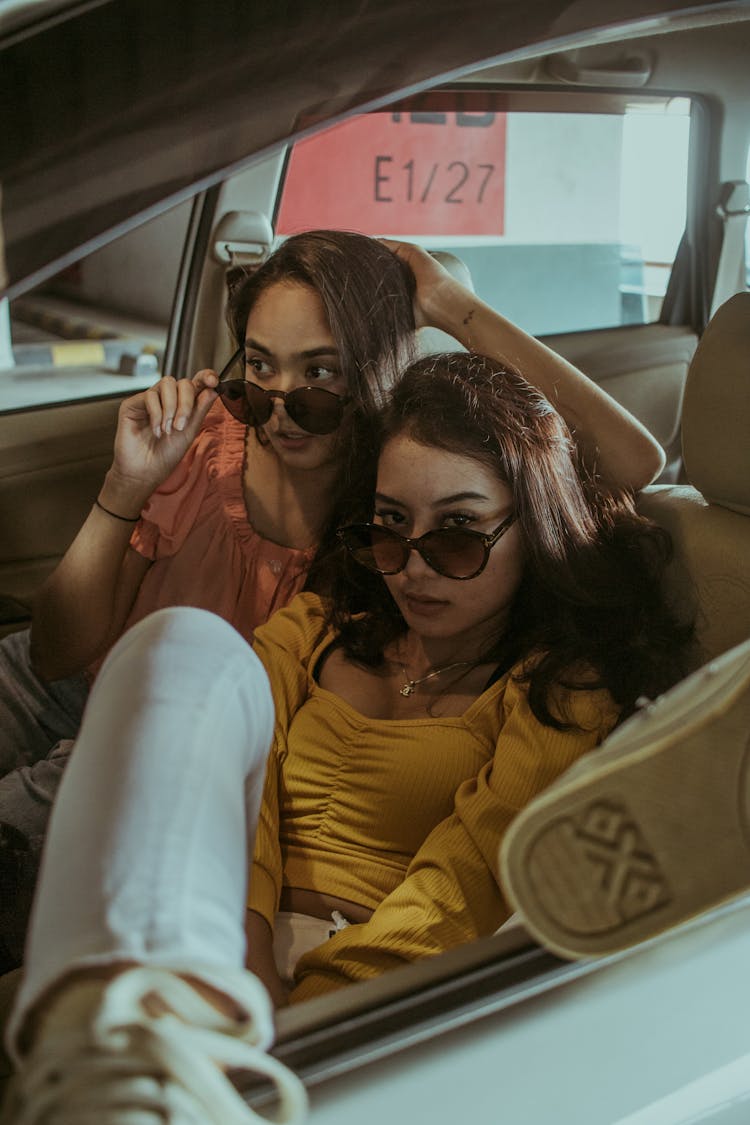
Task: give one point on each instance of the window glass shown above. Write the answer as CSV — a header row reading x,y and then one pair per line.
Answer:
x,y
566,220
747,233
98,328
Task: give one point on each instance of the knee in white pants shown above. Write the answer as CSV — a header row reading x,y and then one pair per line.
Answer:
x,y
191,656
148,842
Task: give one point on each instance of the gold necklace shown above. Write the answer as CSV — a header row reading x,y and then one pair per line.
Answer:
x,y
410,686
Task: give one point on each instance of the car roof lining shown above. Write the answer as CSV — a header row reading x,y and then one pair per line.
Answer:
x,y
62,178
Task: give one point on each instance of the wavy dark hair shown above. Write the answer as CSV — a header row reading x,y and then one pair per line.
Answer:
x,y
367,293
591,597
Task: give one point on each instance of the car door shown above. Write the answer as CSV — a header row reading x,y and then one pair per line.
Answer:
x,y
75,346
149,303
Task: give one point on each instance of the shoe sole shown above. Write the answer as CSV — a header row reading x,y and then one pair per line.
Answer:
x,y
653,830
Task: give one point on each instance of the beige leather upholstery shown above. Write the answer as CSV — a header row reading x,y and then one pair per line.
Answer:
x,y
709,520
716,409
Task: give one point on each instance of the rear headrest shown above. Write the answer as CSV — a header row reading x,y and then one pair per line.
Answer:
x,y
431,340
716,409
455,266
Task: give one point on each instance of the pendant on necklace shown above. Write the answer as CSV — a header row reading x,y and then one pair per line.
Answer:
x,y
410,686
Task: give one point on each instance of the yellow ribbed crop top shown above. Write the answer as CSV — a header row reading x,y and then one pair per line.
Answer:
x,y
402,816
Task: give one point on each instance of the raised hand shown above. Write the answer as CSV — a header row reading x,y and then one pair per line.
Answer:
x,y
439,297
154,431
83,605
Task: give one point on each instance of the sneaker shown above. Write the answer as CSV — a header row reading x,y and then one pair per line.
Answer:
x,y
145,1048
647,831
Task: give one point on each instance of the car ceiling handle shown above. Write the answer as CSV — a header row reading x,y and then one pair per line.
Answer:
x,y
242,238
634,70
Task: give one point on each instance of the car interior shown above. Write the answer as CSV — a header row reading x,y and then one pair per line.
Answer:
x,y
629,314
618,175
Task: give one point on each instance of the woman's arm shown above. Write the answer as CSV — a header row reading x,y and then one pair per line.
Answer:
x,y
614,444
83,605
260,960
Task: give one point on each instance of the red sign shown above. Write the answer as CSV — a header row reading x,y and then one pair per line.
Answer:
x,y
400,174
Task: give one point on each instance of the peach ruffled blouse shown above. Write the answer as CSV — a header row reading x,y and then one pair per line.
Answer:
x,y
204,551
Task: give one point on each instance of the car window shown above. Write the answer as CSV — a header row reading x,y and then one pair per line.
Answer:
x,y
567,219
747,232
98,328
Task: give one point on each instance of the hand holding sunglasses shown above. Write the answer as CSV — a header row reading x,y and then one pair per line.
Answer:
x,y
454,552
313,409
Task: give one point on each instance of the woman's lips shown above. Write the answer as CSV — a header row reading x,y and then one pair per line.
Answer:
x,y
422,606
293,441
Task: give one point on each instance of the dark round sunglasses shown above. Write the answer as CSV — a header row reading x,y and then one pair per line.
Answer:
x,y
454,552
313,409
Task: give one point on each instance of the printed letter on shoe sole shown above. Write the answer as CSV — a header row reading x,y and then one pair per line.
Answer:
x,y
647,831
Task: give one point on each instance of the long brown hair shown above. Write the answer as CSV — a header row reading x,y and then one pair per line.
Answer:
x,y
591,597
367,293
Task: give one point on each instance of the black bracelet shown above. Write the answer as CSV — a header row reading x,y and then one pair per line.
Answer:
x,y
125,519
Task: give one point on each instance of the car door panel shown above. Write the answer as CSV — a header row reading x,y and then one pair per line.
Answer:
x,y
52,462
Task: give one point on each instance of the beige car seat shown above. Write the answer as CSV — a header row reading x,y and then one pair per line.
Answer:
x,y
709,520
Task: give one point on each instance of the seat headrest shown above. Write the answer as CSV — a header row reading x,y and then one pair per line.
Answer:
x,y
431,340
455,266
716,409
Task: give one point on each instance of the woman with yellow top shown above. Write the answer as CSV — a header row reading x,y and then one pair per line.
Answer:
x,y
242,497
485,624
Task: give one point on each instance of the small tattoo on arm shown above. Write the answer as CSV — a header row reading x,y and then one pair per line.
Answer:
x,y
469,316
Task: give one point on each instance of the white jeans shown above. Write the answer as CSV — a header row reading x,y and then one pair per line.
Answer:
x,y
146,856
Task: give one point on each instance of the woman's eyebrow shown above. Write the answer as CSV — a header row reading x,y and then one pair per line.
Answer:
x,y
250,343
458,497
310,353
313,353
382,498
444,501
